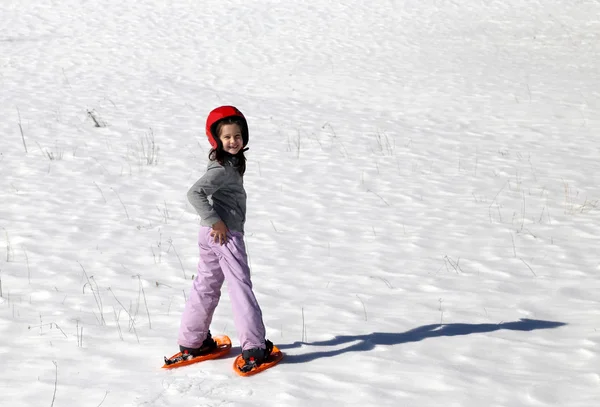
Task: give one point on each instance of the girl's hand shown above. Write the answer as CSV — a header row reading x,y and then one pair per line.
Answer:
x,y
219,232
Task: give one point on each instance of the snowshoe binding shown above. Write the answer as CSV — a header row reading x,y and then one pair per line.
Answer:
x,y
255,357
186,353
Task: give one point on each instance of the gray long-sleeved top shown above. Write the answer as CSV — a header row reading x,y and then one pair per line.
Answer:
x,y
225,186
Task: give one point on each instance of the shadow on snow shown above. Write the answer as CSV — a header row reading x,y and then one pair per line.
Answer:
x,y
369,341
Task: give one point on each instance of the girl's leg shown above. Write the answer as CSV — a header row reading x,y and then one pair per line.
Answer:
x,y
247,314
204,296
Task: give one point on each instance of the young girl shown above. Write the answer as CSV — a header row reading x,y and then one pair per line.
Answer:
x,y
221,241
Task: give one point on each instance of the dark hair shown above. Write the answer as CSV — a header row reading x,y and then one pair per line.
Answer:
x,y
218,154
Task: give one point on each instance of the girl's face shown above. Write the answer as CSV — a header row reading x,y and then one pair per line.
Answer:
x,y
231,137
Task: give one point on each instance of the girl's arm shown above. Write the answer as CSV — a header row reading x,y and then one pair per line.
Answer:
x,y
198,194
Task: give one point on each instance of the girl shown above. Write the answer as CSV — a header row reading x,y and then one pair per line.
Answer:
x,y
222,250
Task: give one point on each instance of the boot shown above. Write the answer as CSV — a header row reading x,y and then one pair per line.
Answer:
x,y
207,346
256,356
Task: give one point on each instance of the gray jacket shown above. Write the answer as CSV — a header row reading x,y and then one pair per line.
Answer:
x,y
225,186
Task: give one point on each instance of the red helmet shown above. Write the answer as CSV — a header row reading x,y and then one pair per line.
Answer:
x,y
221,113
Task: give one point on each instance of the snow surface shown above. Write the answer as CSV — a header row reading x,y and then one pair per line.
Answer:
x,y
423,185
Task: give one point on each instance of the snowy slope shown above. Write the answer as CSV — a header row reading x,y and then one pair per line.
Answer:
x,y
422,184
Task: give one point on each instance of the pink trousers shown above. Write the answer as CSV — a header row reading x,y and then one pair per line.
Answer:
x,y
218,263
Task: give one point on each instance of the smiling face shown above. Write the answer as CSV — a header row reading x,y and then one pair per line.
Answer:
x,y
231,138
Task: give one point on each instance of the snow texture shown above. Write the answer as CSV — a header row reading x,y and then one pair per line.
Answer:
x,y
423,199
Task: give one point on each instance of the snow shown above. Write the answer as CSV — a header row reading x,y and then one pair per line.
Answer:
x,y
424,211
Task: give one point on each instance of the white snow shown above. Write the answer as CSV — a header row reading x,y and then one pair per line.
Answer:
x,y
423,193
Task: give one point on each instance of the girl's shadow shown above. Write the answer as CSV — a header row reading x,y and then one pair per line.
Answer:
x,y
369,341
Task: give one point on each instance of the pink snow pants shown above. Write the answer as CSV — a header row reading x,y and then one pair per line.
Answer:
x,y
218,263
